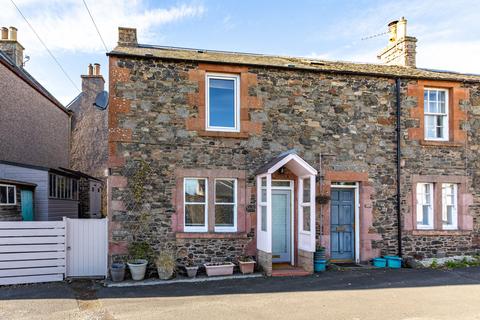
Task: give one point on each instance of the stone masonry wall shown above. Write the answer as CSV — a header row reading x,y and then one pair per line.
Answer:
x,y
349,118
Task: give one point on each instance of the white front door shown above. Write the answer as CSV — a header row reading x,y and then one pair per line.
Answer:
x,y
281,226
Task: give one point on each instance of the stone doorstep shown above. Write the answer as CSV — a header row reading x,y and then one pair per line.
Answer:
x,y
203,278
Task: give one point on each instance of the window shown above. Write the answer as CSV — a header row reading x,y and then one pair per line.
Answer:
x,y
305,206
263,203
436,114
61,187
225,205
425,212
8,195
195,202
449,206
223,102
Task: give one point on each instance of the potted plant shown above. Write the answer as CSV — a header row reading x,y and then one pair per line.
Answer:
x,y
139,254
117,271
219,268
191,269
165,263
247,264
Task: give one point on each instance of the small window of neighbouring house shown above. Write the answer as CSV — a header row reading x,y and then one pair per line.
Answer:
x,y
61,187
436,114
8,195
425,212
225,204
449,206
195,202
222,102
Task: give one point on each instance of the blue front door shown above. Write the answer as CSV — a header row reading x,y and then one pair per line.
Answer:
x,y
26,198
342,219
281,226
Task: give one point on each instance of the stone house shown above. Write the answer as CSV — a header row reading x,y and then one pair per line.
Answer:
x,y
89,139
231,154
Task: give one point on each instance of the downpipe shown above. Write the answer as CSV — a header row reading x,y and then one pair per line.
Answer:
x,y
399,153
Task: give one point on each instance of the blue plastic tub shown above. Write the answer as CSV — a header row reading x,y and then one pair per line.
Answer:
x,y
320,265
379,262
393,262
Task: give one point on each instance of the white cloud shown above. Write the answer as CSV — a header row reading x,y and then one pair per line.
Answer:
x,y
65,24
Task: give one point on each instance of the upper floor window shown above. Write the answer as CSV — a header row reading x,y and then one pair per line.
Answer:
x,y
61,187
425,207
436,114
8,195
223,102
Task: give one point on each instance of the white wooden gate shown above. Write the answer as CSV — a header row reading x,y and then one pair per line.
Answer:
x,y
87,247
32,252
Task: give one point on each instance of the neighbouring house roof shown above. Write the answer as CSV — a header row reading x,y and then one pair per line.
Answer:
x,y
211,56
60,170
80,174
18,183
30,80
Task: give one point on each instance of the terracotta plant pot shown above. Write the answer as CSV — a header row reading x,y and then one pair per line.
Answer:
x,y
192,271
246,267
219,269
138,269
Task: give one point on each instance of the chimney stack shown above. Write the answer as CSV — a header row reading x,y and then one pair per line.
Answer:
x,y
10,46
93,81
127,37
401,49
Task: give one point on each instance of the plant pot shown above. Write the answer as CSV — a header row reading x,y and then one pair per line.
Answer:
x,y
138,269
164,274
246,267
117,271
221,269
192,271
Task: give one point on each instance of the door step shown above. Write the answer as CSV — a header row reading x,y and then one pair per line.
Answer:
x,y
286,270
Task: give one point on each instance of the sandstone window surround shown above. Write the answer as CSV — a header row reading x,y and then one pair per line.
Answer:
x,y
8,195
449,201
220,211
449,132
246,85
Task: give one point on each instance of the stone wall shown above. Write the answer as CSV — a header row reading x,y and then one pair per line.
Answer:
x,y
349,119
305,260
264,261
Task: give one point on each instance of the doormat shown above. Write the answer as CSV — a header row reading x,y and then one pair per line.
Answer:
x,y
348,265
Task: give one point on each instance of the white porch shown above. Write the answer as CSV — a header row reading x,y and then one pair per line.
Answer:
x,y
286,213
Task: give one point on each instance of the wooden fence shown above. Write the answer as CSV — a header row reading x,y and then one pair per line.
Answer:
x,y
32,251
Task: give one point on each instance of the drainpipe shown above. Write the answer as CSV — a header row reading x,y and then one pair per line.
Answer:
x,y
399,126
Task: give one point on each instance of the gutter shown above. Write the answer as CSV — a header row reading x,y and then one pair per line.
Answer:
x,y
399,154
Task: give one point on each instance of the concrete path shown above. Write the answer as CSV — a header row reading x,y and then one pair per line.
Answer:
x,y
364,294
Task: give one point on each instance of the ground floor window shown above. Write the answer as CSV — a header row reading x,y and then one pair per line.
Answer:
x,y
8,195
435,199
449,206
195,204
225,204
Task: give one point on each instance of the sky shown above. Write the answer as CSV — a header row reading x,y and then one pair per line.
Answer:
x,y
448,32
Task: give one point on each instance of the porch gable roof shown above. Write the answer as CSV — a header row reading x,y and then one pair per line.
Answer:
x,y
289,159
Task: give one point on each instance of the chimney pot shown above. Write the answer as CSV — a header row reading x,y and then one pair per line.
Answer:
x,y
90,69
4,33
12,34
96,69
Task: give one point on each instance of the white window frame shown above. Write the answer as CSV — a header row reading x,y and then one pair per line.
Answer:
x,y
14,195
454,225
305,204
263,203
203,228
223,76
446,115
235,206
420,204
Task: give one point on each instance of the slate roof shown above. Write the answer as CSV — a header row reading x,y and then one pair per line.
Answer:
x,y
251,59
274,161
29,79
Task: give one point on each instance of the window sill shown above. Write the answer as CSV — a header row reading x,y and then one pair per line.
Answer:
x,y
211,235
433,143
440,232
223,134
